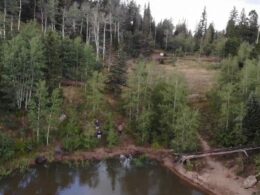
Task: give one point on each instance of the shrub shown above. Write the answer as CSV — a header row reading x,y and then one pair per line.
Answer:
x,y
79,143
7,147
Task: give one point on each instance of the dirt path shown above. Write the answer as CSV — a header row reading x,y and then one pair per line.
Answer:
x,y
222,178
200,79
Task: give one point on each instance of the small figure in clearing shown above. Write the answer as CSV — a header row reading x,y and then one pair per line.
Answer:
x,y
97,124
99,134
120,128
98,131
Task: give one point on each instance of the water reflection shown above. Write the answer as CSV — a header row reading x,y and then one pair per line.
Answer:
x,y
103,178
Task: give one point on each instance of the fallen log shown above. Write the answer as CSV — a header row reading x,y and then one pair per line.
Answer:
x,y
185,158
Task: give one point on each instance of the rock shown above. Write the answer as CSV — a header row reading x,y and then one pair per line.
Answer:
x,y
249,182
40,160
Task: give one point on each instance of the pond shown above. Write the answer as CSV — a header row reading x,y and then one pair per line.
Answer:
x,y
108,177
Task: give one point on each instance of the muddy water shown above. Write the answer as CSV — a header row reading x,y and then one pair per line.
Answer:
x,y
103,178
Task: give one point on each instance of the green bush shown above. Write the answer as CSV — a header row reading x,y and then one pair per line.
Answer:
x,y
140,161
80,142
7,147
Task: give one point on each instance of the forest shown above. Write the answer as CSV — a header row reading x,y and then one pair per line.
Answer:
x,y
51,50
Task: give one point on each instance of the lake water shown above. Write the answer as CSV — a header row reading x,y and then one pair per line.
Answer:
x,y
108,177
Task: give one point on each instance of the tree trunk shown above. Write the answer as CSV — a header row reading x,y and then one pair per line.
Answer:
x,y
87,30
19,16
118,33
38,122
12,24
42,18
63,23
155,34
34,10
258,35
4,33
111,41
48,129
45,23
104,41
96,30
81,26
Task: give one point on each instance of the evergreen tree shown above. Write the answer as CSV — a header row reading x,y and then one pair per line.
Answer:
x,y
52,53
231,29
253,26
201,30
251,122
117,75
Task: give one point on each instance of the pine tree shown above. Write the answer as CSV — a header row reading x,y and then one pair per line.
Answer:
x,y
117,75
251,122
52,53
231,29
253,26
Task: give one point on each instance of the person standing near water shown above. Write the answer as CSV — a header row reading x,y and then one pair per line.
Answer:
x,y
98,130
120,128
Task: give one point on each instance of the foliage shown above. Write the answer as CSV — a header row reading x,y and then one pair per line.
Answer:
x,y
112,136
237,96
78,142
7,147
158,110
44,111
117,75
23,63
95,92
140,161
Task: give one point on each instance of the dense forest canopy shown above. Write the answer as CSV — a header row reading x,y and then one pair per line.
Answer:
x,y
48,44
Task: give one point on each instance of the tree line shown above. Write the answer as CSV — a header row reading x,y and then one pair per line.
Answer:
x,y
107,25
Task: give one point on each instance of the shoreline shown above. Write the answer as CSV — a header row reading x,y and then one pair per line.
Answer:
x,y
163,156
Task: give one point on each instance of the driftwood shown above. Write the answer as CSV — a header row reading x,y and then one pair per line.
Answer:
x,y
185,158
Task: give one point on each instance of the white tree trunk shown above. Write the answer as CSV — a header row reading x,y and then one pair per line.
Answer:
x,y
118,33
34,10
96,29
87,30
74,25
38,121
42,19
4,30
48,129
111,41
63,23
104,41
45,22
257,39
81,26
12,24
19,16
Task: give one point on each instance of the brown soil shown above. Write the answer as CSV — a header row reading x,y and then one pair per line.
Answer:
x,y
200,79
